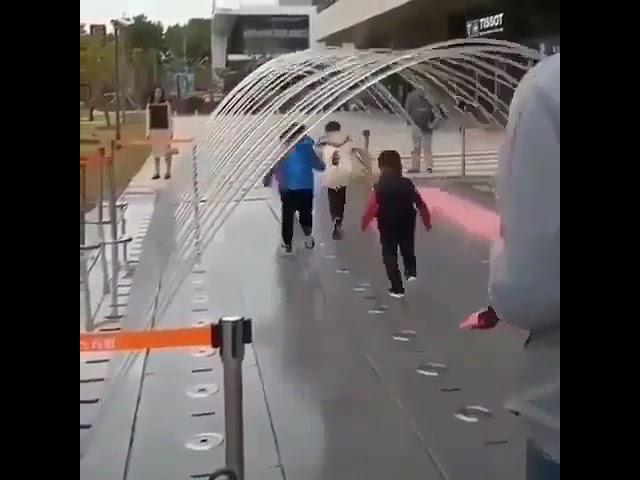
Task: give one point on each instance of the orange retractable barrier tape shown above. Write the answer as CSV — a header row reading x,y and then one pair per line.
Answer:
x,y
143,340
148,142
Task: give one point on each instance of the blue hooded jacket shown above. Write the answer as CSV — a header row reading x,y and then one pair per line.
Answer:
x,y
295,170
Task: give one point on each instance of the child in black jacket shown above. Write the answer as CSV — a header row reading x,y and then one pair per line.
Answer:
x,y
394,203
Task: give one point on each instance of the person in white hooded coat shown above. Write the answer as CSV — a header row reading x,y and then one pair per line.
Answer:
x,y
524,284
524,279
337,154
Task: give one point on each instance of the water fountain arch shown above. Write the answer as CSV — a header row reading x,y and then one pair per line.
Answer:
x,y
242,138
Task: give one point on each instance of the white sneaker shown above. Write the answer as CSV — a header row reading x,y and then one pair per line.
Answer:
x,y
396,294
285,250
309,242
411,279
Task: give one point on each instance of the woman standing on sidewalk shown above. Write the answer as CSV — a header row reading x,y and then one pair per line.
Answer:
x,y
160,130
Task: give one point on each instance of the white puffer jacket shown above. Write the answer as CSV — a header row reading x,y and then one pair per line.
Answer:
x,y
341,145
525,265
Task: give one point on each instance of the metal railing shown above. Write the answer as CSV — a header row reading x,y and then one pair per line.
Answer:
x,y
117,225
461,164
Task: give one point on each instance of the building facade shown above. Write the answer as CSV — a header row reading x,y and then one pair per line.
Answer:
x,y
404,24
244,32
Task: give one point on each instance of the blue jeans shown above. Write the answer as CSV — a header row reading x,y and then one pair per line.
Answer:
x,y
540,466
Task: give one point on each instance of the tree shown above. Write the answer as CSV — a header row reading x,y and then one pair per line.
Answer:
x,y
198,32
97,58
144,34
175,41
191,42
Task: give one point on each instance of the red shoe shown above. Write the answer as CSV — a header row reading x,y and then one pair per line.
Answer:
x,y
481,320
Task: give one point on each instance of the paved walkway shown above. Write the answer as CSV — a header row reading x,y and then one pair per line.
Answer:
x,y
342,382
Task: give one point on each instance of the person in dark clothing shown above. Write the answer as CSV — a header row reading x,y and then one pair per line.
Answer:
x,y
394,202
294,173
423,117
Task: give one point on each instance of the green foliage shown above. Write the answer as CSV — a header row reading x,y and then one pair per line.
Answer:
x,y
97,57
141,42
191,41
144,34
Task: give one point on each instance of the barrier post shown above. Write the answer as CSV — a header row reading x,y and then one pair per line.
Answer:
x,y
367,136
234,333
368,161
113,217
196,203
463,141
99,202
125,256
83,202
84,274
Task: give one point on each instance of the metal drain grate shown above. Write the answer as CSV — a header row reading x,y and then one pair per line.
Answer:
x,y
202,370
91,380
203,390
203,414
96,361
204,441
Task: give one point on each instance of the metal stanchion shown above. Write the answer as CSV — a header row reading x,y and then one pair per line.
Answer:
x,y
125,256
463,135
368,161
232,333
367,137
84,250
83,202
115,267
84,273
196,203
103,250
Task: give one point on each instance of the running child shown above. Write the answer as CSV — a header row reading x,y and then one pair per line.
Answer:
x,y
394,202
336,149
294,173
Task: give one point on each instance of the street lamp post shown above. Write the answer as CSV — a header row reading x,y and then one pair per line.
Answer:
x,y
117,25
117,57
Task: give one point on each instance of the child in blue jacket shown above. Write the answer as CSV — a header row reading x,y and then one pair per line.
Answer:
x,y
295,176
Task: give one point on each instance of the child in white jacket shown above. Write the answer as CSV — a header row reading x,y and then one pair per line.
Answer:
x,y
337,153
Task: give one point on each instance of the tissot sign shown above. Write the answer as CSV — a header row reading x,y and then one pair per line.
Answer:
x,y
480,27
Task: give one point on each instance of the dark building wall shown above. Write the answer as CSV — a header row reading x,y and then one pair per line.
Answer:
x,y
269,34
421,22
530,22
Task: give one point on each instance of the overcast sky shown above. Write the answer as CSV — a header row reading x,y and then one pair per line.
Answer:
x,y
168,12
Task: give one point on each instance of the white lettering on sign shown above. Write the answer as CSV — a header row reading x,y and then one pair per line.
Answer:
x,y
486,25
97,344
276,33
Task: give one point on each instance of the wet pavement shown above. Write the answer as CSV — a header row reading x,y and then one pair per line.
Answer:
x,y
342,382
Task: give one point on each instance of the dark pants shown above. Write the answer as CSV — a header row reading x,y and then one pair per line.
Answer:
x,y
337,201
293,201
403,239
539,465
